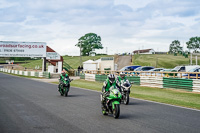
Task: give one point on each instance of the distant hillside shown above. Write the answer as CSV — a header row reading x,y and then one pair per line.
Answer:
x,y
163,60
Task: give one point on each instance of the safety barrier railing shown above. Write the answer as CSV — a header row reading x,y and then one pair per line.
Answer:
x,y
188,81
187,75
27,73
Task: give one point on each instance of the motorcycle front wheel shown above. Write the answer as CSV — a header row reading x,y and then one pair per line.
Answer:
x,y
116,111
66,92
61,92
126,99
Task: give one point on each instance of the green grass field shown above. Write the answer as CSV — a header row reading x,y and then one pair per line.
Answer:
x,y
73,61
156,60
33,63
174,97
160,60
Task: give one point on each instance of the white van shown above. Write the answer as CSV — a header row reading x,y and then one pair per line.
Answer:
x,y
184,68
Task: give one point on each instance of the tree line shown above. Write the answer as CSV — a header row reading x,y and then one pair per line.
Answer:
x,y
192,44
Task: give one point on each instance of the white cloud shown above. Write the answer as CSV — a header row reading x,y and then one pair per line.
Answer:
x,y
5,4
123,25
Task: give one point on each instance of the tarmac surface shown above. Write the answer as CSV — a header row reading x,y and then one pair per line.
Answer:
x,y
31,106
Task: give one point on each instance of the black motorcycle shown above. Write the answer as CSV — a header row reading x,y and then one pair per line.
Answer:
x,y
125,90
64,86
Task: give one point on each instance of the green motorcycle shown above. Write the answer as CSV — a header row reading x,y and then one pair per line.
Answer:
x,y
64,86
111,104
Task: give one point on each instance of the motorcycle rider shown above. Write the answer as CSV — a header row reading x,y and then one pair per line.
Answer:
x,y
119,80
110,82
63,75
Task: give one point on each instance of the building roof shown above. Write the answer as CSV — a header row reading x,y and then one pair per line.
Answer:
x,y
90,62
142,51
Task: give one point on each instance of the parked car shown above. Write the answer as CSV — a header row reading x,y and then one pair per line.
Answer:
x,y
184,68
156,69
166,70
193,76
144,68
179,69
129,68
151,71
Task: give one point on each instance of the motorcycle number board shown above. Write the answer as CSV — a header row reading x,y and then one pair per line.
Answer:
x,y
22,49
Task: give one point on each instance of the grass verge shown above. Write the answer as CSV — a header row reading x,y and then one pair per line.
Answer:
x,y
160,60
173,97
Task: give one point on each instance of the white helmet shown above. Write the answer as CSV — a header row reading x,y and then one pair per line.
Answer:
x,y
122,75
111,78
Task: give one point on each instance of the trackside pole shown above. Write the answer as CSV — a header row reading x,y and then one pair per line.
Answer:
x,y
44,65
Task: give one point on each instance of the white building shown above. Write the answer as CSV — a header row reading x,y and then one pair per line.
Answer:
x,y
144,51
105,63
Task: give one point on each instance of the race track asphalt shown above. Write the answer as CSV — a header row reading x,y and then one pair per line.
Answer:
x,y
29,106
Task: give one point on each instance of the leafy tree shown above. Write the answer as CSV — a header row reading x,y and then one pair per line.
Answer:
x,y
88,43
175,47
193,43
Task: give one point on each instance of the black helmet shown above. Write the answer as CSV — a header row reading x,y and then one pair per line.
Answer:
x,y
111,78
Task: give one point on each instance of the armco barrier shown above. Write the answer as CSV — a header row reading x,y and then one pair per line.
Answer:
x,y
36,74
46,75
82,76
178,83
134,79
20,72
100,78
32,73
27,73
196,85
16,72
151,81
90,77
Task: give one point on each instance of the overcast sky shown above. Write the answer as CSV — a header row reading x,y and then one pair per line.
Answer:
x,y
124,25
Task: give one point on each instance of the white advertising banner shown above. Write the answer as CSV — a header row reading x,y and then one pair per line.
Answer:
x,y
53,56
22,49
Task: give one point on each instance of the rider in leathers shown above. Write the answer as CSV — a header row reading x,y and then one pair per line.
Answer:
x,y
110,81
119,80
63,75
